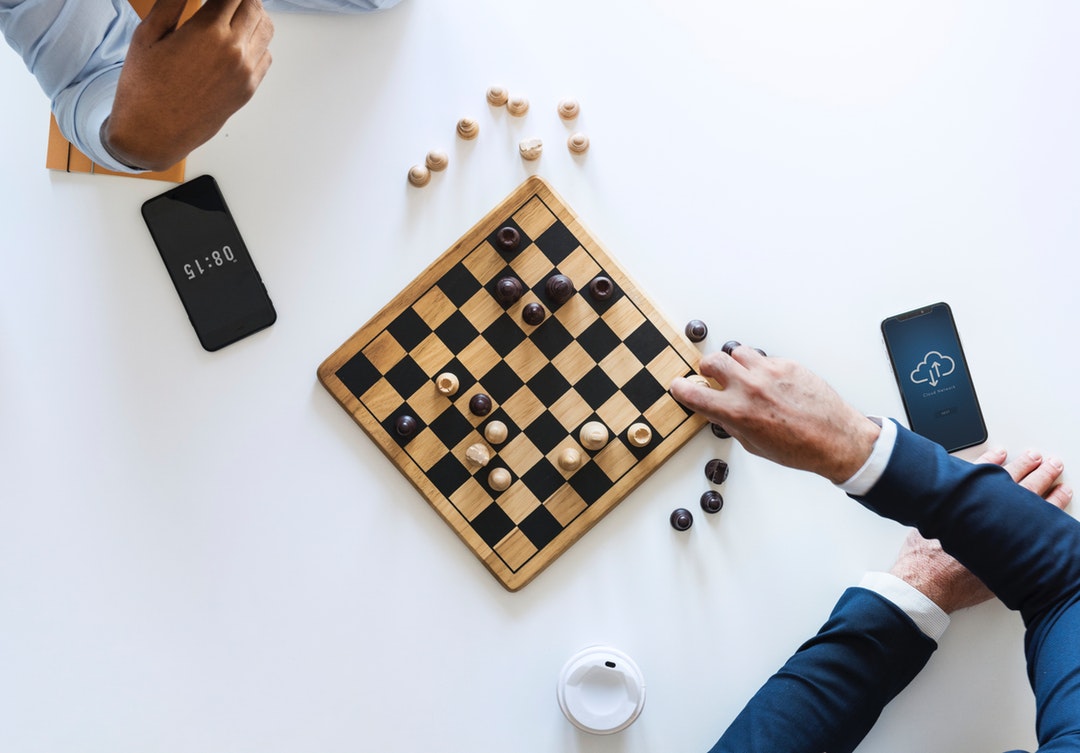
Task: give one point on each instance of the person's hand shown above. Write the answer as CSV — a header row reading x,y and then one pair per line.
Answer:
x,y
178,86
781,411
922,563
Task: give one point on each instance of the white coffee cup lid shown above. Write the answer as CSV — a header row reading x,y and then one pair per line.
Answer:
x,y
601,690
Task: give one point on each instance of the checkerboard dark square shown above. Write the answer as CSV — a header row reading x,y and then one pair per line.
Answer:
x,y
501,382
358,374
548,385
504,334
492,524
456,332
590,482
551,337
546,432
598,340
409,329
643,390
540,527
408,376
459,285
557,243
452,427
448,475
596,387
543,479
646,342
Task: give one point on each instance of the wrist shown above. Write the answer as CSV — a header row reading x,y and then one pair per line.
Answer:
x,y
127,151
853,449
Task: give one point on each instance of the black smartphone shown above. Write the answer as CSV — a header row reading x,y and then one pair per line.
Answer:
x,y
932,373
209,263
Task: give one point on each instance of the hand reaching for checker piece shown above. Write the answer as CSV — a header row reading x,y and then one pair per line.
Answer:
x,y
781,411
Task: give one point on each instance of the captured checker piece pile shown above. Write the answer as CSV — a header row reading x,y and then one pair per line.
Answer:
x,y
589,360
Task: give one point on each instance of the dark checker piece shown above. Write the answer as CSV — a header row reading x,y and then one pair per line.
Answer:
x,y
601,288
716,470
712,501
719,431
696,331
508,239
533,313
559,289
405,426
480,404
600,351
681,519
508,290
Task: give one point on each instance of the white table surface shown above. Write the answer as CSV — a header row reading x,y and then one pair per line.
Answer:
x,y
202,552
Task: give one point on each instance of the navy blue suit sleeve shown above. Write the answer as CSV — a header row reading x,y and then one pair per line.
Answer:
x,y
1025,550
830,693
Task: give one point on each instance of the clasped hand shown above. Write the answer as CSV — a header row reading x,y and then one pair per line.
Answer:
x,y
180,83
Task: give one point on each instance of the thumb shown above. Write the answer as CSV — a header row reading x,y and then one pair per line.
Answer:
x,y
164,17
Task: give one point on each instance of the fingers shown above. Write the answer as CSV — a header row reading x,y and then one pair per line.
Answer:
x,y
697,397
164,16
995,456
731,362
1060,496
1034,473
243,16
251,19
213,10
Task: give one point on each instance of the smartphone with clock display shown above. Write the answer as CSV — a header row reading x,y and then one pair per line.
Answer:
x,y
932,374
209,263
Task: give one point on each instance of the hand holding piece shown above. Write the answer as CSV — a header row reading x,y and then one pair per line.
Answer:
x,y
781,411
178,86
924,565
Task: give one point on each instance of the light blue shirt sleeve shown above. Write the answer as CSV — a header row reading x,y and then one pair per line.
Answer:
x,y
75,49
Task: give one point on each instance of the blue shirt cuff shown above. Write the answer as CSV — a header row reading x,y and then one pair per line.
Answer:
x,y
83,120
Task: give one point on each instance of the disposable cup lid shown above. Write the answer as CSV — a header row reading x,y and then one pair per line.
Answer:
x,y
601,690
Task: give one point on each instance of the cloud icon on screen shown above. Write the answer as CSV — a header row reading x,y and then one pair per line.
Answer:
x,y
933,367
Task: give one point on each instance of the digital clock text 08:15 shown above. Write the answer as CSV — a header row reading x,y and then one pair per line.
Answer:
x,y
214,259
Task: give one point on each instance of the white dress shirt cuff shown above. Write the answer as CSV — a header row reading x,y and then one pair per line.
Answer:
x,y
928,616
865,478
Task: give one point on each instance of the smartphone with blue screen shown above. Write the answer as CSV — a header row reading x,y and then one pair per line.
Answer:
x,y
932,374
209,263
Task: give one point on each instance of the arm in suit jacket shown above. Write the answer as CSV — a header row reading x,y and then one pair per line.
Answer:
x,y
1025,550
831,691
829,694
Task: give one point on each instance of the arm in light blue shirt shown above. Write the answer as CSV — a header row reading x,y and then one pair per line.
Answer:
x,y
75,49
